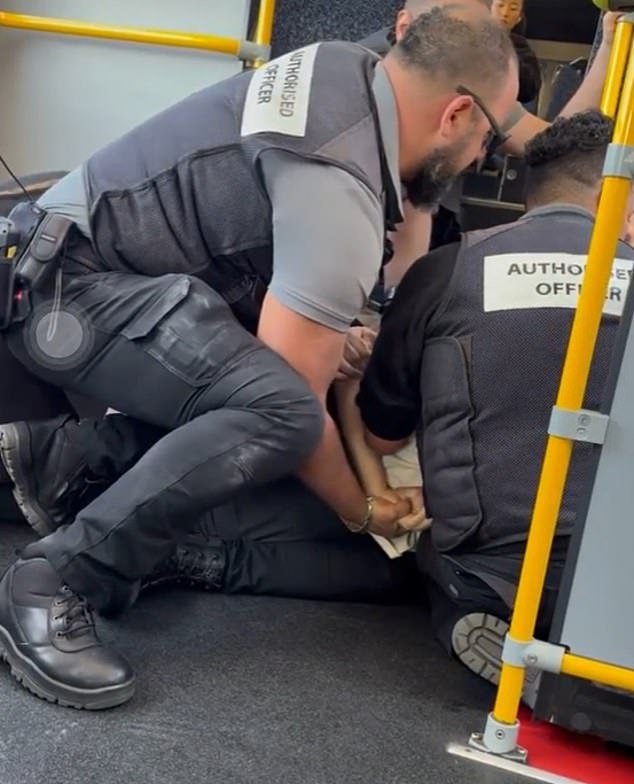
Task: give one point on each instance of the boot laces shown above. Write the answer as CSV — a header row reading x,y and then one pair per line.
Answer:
x,y
196,565
75,613
187,565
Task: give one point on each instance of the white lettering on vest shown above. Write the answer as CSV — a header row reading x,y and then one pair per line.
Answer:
x,y
278,97
518,281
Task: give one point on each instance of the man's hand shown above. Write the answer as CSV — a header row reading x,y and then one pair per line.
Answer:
x,y
385,516
417,519
356,353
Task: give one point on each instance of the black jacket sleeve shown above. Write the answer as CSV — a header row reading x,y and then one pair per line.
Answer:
x,y
390,396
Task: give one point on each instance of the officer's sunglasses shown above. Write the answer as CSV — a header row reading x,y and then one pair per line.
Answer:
x,y
495,137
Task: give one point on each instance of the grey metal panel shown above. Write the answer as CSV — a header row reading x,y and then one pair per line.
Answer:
x,y
599,618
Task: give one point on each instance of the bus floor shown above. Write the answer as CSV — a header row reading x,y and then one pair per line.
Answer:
x,y
245,690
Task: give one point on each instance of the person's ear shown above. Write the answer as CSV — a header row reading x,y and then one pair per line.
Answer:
x,y
403,20
456,118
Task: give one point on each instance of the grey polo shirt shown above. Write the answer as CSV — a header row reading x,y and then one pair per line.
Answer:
x,y
68,198
328,227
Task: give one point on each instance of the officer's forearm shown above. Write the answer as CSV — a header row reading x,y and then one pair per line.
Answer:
x,y
588,96
328,474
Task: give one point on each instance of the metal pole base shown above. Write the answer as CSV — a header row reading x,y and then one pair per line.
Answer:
x,y
500,739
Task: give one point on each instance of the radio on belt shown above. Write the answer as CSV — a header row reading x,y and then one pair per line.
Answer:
x,y
27,259
35,264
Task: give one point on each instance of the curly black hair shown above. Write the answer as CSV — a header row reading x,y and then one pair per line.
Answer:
x,y
571,150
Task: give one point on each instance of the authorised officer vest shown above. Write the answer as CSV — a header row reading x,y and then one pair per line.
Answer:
x,y
491,367
183,193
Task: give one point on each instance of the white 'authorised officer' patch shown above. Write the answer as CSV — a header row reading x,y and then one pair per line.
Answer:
x,y
516,281
278,96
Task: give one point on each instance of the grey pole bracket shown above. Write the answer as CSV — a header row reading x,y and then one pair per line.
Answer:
x,y
251,51
619,161
587,426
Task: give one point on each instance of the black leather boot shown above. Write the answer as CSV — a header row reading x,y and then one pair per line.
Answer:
x,y
47,635
196,563
46,463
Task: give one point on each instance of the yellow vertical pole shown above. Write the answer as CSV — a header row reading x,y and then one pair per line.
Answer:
x,y
264,27
619,55
574,378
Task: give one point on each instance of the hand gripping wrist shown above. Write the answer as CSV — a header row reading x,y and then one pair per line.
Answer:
x,y
362,527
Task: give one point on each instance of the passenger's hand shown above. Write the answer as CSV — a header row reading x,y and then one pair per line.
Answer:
x,y
417,519
610,20
356,352
385,516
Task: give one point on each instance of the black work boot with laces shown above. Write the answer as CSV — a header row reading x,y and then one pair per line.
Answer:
x,y
195,563
48,638
47,466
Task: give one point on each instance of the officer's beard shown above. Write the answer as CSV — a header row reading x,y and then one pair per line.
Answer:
x,y
433,179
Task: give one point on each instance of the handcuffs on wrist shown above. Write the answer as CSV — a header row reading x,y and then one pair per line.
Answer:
x,y
362,527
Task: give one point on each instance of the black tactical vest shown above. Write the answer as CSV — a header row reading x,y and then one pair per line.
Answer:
x,y
182,192
489,381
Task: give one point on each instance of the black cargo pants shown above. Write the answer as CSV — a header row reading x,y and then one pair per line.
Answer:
x,y
281,540
278,538
456,586
170,352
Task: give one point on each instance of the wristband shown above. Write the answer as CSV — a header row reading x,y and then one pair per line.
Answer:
x,y
362,527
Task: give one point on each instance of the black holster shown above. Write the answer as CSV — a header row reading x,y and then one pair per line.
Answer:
x,y
38,240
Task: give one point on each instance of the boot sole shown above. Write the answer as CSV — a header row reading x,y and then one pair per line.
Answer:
x,y
478,640
41,685
15,452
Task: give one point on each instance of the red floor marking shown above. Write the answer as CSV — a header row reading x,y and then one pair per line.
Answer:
x,y
579,757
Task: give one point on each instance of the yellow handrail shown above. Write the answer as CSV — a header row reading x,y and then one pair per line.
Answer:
x,y
245,50
600,672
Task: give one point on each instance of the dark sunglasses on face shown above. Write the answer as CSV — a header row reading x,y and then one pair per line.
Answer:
x,y
495,137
